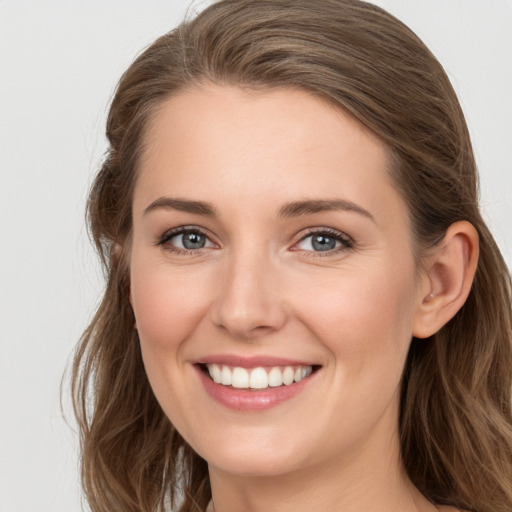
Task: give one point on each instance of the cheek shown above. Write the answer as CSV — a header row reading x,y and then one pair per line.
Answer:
x,y
167,305
364,318
366,325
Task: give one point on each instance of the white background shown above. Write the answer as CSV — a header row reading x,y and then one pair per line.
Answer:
x,y
59,62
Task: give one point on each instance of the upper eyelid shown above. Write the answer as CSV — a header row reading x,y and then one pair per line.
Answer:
x,y
345,243
164,241
339,235
309,231
181,230
329,231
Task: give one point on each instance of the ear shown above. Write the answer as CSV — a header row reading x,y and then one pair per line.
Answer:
x,y
116,251
448,276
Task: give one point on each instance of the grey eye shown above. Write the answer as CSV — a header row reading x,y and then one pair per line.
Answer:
x,y
192,240
323,243
319,242
185,239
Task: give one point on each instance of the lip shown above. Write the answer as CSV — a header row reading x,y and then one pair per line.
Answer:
x,y
252,361
247,399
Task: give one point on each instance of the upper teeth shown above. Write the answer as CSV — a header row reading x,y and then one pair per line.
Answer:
x,y
257,378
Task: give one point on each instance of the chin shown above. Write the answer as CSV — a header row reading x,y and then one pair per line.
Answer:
x,y
255,459
253,468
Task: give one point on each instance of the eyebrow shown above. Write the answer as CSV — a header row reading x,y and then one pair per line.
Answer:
x,y
293,209
182,205
310,206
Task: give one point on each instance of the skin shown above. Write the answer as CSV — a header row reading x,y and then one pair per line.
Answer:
x,y
259,288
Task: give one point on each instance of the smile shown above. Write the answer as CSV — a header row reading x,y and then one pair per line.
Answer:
x,y
254,383
259,377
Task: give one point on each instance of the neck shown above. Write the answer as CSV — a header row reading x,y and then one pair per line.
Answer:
x,y
360,483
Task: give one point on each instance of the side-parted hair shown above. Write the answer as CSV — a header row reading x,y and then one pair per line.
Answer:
x,y
455,415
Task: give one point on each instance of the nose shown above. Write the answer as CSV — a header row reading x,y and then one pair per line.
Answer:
x,y
249,303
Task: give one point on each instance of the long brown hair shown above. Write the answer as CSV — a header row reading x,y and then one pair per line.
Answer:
x,y
455,418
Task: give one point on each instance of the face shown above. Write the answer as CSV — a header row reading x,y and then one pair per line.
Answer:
x,y
272,278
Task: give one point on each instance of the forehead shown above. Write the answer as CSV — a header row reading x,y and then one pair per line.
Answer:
x,y
225,144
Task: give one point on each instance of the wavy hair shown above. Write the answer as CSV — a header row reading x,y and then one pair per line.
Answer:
x,y
455,416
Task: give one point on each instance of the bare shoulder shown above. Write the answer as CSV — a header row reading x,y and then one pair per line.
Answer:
x,y
447,508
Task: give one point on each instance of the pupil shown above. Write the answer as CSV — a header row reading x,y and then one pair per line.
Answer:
x,y
323,243
193,241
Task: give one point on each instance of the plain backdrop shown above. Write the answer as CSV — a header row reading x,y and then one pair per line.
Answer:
x,y
59,63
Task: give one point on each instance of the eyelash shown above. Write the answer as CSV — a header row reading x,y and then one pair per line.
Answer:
x,y
345,241
182,230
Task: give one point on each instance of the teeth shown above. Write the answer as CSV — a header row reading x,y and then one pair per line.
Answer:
x,y
239,377
275,377
216,373
226,376
257,378
288,375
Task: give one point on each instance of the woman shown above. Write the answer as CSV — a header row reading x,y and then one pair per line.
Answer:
x,y
304,308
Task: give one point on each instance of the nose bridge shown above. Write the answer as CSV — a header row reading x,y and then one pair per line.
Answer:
x,y
248,303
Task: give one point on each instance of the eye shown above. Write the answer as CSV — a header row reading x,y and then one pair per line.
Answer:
x,y
326,241
185,239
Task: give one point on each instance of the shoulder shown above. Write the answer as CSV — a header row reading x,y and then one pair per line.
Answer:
x,y
447,508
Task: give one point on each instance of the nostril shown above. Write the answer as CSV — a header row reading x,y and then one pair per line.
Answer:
x,y
248,312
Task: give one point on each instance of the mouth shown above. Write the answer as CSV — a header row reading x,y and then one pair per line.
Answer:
x,y
253,384
258,378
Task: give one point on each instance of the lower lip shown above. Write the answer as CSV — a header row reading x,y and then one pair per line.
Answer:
x,y
248,399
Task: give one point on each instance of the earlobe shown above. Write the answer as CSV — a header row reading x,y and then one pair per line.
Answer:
x,y
449,273
116,250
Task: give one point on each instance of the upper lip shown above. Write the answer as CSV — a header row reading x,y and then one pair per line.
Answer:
x,y
251,361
